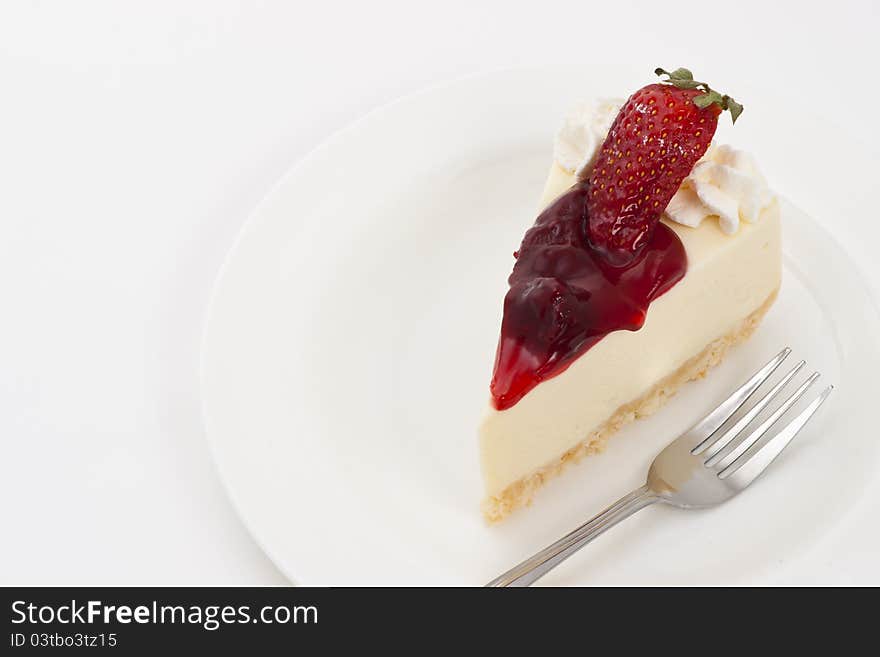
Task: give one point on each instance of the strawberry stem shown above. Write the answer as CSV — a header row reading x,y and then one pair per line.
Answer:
x,y
682,78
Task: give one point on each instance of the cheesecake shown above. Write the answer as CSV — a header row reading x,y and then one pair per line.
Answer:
x,y
654,252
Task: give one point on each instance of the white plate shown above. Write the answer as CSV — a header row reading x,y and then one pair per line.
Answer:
x,y
350,341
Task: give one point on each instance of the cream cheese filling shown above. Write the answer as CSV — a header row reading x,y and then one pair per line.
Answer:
x,y
728,277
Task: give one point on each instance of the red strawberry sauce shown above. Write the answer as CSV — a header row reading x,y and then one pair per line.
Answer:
x,y
564,296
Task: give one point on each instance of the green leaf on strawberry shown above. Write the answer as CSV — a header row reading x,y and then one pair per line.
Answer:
x,y
682,78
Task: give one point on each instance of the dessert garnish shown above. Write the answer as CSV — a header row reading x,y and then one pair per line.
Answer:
x,y
598,255
659,134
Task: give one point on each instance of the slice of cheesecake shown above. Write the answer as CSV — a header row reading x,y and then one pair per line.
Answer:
x,y
588,345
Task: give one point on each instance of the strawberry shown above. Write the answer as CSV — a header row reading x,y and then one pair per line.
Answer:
x,y
658,136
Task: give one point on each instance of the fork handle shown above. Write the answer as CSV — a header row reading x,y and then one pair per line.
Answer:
x,y
532,569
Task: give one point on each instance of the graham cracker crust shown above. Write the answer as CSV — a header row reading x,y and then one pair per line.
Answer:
x,y
520,493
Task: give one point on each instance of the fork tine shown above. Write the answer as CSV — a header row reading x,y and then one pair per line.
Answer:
x,y
762,453
726,443
704,429
748,441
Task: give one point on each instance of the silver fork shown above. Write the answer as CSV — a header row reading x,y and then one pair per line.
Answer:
x,y
703,467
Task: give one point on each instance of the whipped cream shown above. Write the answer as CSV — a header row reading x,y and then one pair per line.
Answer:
x,y
725,183
582,133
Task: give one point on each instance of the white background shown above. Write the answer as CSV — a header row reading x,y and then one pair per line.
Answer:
x,y
136,137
